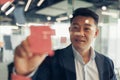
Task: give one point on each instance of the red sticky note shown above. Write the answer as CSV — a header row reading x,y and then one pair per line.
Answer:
x,y
19,77
40,39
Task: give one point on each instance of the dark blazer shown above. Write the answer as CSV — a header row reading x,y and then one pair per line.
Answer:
x,y
61,66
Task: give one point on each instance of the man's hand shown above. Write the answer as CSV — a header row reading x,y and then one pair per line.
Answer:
x,y
25,61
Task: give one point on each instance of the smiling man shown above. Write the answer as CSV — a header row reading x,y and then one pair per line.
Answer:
x,y
78,61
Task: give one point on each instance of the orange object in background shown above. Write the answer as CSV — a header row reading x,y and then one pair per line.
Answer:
x,y
4,1
63,40
1,44
19,77
40,40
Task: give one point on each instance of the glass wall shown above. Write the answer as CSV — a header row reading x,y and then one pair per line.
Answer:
x,y
108,42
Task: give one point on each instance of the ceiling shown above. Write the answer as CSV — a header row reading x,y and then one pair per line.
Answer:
x,y
51,8
61,8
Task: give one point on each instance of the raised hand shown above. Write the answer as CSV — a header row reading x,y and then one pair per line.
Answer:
x,y
25,61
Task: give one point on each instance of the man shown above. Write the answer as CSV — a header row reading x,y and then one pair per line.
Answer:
x,y
78,61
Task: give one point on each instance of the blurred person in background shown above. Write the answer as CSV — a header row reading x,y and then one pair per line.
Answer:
x,y
1,50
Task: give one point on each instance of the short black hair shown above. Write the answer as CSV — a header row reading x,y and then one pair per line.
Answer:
x,y
85,12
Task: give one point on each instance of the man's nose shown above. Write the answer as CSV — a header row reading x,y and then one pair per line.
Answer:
x,y
80,32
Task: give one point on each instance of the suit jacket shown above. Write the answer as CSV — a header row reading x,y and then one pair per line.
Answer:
x,y
61,66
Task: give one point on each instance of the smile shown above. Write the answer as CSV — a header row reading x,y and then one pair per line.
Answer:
x,y
77,40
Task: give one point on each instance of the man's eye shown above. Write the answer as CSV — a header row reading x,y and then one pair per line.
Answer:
x,y
86,28
75,27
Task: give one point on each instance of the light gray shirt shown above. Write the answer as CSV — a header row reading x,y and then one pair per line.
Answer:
x,y
86,71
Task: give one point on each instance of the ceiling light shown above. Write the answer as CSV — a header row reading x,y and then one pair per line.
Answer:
x,y
104,8
27,5
10,10
40,2
62,18
48,18
6,5
70,16
21,2
109,14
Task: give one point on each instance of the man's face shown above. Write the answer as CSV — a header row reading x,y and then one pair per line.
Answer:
x,y
82,32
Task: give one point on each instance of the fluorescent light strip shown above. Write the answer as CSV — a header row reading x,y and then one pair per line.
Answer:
x,y
27,5
10,10
5,6
62,18
40,2
109,14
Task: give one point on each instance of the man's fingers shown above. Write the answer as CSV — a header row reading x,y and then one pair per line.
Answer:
x,y
23,49
24,57
20,52
36,60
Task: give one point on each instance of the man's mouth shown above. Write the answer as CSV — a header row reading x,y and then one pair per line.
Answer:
x,y
78,40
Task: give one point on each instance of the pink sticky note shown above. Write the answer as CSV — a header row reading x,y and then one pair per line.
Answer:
x,y
19,77
40,39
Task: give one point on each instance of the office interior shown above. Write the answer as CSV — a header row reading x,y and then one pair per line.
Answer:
x,y
17,16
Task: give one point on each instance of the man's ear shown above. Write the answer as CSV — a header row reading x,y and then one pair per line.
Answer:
x,y
97,32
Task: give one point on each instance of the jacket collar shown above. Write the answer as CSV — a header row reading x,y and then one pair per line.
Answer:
x,y
68,63
100,65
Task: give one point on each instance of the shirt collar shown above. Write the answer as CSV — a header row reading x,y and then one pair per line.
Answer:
x,y
79,57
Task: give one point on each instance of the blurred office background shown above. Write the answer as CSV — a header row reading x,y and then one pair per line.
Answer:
x,y
16,17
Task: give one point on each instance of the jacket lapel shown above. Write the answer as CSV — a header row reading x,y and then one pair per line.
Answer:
x,y
68,63
100,65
